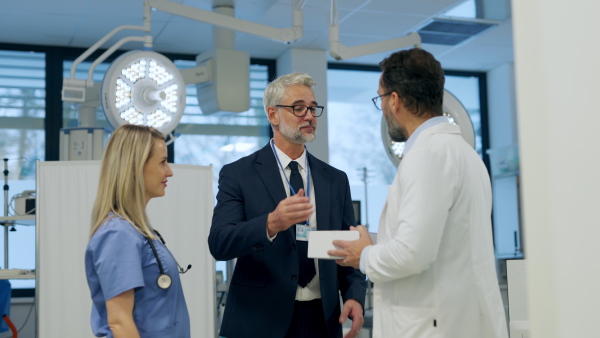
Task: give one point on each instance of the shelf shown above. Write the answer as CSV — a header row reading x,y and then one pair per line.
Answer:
x,y
506,174
16,274
18,220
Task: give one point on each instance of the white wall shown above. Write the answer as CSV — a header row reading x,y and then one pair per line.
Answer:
x,y
557,72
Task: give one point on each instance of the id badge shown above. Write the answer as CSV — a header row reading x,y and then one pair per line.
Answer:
x,y
302,232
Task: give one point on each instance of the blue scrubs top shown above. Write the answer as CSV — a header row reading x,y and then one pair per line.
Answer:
x,y
118,258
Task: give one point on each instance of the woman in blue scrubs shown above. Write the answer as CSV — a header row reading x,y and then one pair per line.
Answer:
x,y
132,276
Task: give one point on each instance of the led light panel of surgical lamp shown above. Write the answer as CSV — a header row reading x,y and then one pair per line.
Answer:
x,y
143,88
452,109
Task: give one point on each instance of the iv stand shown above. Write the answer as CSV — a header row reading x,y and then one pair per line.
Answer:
x,y
365,178
366,198
5,213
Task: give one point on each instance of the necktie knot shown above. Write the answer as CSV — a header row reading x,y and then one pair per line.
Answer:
x,y
293,166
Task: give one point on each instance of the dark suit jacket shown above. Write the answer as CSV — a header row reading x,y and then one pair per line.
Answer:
x,y
262,290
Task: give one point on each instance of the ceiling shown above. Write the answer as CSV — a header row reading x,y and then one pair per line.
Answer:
x,y
81,23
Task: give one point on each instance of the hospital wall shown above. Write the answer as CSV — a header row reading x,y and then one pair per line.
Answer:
x,y
557,72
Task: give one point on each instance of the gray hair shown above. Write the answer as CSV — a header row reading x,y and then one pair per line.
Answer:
x,y
275,91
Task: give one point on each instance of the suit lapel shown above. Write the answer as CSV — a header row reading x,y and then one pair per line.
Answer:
x,y
321,183
267,167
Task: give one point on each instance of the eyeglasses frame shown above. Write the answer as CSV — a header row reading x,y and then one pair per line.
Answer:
x,y
313,109
380,98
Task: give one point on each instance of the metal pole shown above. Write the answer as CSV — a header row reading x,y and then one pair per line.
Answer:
x,y
5,213
369,293
366,199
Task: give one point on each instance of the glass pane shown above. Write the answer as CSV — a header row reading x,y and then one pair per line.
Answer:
x,y
22,143
220,139
352,116
466,90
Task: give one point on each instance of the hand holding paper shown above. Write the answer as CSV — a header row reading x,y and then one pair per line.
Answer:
x,y
320,242
351,250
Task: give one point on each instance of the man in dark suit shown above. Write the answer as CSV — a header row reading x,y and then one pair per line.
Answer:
x,y
266,204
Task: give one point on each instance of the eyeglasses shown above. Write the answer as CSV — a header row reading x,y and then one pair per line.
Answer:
x,y
377,100
300,110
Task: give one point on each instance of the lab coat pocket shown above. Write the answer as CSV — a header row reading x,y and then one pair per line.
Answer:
x,y
411,322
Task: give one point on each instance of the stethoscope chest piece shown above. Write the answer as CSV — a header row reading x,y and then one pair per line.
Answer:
x,y
164,281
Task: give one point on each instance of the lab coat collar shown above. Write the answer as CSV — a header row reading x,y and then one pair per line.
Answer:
x,y
425,125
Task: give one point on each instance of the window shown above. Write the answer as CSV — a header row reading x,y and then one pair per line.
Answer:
x,y
22,143
353,117
221,139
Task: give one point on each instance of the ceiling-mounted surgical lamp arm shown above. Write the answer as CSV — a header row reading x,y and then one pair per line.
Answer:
x,y
340,52
74,90
287,35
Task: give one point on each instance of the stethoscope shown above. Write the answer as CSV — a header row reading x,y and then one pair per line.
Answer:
x,y
164,281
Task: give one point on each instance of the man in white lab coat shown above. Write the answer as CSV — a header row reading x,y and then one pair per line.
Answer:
x,y
433,266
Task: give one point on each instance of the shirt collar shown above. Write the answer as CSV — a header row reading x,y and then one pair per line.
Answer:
x,y
285,160
427,124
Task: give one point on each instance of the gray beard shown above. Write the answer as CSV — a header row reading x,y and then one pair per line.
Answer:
x,y
295,135
396,131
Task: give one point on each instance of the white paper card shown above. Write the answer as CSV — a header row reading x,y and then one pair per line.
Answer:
x,y
319,242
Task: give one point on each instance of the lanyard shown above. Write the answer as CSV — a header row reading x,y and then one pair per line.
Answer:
x,y
292,191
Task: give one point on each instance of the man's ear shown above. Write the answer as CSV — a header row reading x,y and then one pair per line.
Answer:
x,y
272,115
395,102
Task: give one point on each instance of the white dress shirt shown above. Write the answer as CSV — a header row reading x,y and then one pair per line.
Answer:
x,y
313,288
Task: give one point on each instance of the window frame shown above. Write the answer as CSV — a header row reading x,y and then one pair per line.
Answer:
x,y
483,99
55,56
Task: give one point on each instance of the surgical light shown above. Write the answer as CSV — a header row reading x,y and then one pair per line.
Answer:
x,y
143,88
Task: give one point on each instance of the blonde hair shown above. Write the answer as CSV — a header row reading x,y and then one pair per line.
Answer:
x,y
121,188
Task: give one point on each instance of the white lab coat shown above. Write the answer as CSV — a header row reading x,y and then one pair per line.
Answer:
x,y
433,266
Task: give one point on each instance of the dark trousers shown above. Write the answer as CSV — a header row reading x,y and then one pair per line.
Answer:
x,y
308,321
